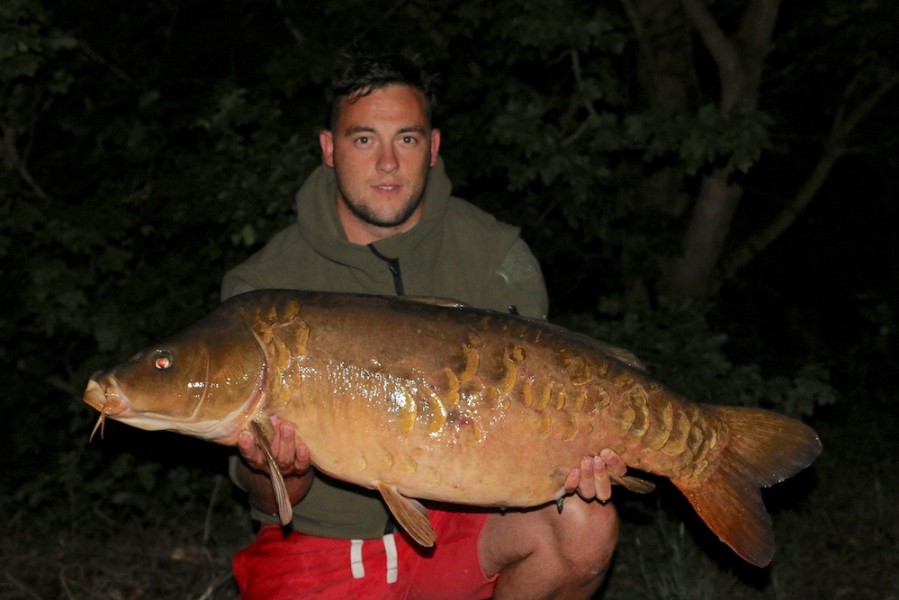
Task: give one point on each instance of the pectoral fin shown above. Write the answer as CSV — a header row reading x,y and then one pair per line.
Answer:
x,y
410,514
263,440
634,484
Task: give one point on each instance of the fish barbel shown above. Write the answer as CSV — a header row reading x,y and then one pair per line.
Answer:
x,y
423,400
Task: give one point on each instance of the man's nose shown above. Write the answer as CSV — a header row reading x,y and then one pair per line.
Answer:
x,y
387,159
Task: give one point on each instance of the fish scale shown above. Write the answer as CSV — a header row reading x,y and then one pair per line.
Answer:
x,y
421,399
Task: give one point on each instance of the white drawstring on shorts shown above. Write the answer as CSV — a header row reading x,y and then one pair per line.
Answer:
x,y
356,563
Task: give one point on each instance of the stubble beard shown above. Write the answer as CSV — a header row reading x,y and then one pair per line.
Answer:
x,y
363,211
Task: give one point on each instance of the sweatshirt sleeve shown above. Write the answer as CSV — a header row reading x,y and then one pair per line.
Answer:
x,y
523,287
232,285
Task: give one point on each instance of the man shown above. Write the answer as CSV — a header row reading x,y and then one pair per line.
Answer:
x,y
378,217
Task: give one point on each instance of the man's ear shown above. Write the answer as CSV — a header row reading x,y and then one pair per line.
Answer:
x,y
326,141
435,145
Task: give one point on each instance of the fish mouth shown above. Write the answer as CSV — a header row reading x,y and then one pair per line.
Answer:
x,y
105,398
102,394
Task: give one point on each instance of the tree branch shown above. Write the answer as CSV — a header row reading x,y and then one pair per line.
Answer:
x,y
639,33
757,26
834,149
739,66
298,36
719,46
12,160
591,112
96,57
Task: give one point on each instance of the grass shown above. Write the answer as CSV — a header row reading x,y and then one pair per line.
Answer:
x,y
102,556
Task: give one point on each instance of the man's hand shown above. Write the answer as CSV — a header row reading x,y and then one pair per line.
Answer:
x,y
292,457
591,480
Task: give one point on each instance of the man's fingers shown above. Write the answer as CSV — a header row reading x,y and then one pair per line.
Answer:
x,y
291,454
245,440
573,480
613,462
585,487
601,482
252,455
591,479
303,459
284,445
284,449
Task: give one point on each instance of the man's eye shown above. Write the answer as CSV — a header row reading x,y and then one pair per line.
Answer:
x,y
362,140
409,139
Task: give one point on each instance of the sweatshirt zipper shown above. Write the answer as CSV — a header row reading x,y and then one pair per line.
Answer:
x,y
393,265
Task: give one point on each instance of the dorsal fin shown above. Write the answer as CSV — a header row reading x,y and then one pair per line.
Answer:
x,y
436,301
625,356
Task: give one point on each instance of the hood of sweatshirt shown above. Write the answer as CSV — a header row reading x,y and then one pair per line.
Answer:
x,y
320,225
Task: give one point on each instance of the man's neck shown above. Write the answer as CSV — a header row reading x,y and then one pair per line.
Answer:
x,y
359,232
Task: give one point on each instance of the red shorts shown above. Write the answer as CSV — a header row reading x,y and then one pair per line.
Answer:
x,y
275,567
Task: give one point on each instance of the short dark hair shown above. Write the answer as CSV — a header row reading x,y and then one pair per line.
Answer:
x,y
365,73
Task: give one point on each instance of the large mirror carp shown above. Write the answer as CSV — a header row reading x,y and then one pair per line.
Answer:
x,y
426,400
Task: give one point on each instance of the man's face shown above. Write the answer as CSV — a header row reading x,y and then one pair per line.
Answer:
x,y
381,149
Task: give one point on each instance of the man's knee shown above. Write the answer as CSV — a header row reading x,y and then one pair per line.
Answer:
x,y
586,535
545,554
579,548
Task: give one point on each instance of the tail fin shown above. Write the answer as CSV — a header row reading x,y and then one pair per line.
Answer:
x,y
761,448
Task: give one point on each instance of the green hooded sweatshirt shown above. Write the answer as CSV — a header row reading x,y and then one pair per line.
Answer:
x,y
456,251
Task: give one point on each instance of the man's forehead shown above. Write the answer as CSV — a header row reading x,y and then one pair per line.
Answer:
x,y
350,129
390,89
395,107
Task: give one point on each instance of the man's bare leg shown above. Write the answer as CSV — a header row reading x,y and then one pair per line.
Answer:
x,y
544,554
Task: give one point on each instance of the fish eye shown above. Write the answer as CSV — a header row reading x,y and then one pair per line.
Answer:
x,y
163,360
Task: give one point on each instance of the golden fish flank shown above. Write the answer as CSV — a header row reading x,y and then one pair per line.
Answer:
x,y
438,412
658,435
422,400
635,420
570,426
576,369
453,386
472,362
513,380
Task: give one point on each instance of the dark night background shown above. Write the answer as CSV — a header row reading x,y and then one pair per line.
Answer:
x,y
708,183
